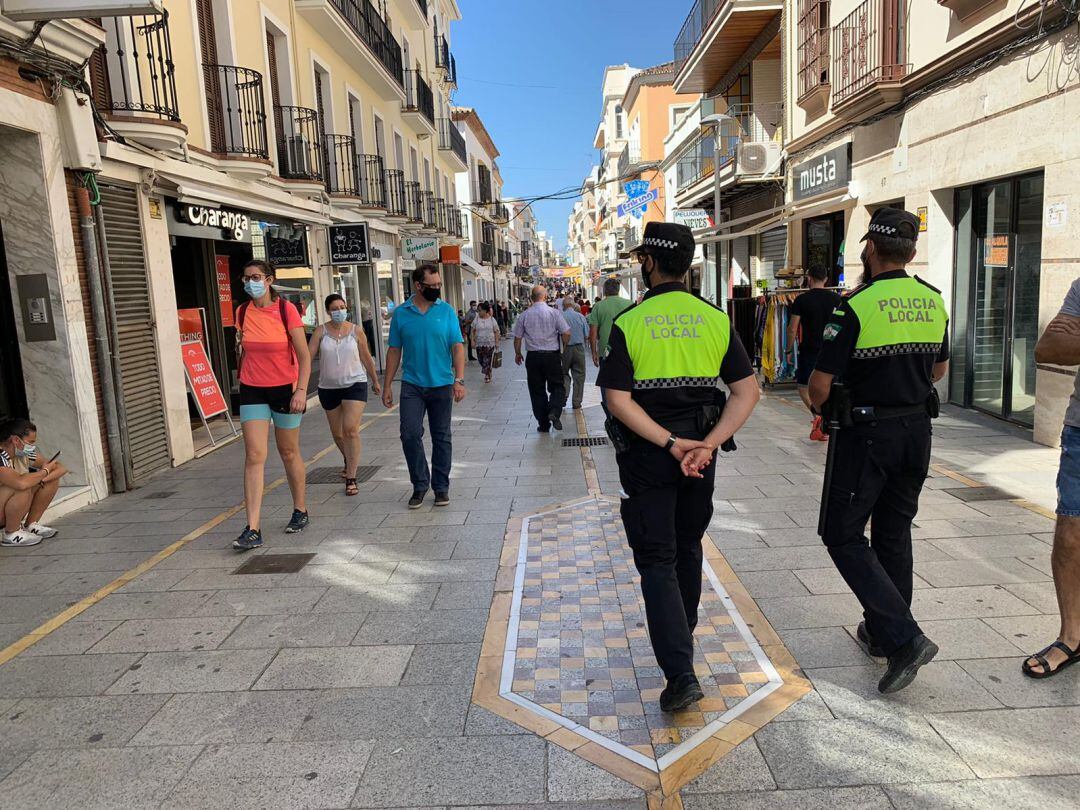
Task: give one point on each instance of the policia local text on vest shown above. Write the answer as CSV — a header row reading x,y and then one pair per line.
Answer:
x,y
660,378
887,342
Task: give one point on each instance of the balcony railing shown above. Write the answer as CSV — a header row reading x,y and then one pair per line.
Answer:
x,y
504,257
482,192
629,158
365,21
457,220
487,253
299,147
441,223
869,46
450,140
499,212
396,205
340,165
749,123
236,110
418,96
444,59
427,208
372,175
138,75
693,29
813,46
697,162
413,206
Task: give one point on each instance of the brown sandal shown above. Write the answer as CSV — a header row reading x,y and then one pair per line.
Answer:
x,y
350,487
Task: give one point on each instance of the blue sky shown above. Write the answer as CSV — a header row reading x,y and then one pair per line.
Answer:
x,y
533,68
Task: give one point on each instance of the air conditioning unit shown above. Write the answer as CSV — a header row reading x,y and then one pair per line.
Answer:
x,y
758,159
298,155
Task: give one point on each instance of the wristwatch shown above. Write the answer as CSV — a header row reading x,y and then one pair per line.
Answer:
x,y
459,381
671,442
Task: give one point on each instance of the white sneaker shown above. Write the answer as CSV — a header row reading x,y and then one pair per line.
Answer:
x,y
42,531
20,539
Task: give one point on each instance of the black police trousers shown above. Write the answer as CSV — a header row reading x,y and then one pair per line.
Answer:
x,y
546,388
879,472
665,517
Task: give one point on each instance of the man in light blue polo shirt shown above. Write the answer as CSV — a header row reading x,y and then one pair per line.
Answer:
x,y
425,340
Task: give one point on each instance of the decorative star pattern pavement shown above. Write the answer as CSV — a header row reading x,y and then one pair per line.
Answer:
x,y
578,650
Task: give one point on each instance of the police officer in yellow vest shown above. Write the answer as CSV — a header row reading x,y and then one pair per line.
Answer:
x,y
888,342
667,356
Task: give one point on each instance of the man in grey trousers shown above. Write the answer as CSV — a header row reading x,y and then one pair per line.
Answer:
x,y
573,359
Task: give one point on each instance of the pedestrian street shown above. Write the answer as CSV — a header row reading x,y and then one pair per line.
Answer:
x,y
493,653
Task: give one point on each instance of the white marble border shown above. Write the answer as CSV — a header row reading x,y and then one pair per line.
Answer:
x,y
506,682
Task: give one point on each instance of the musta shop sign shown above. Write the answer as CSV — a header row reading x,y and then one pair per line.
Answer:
x,y
830,171
233,224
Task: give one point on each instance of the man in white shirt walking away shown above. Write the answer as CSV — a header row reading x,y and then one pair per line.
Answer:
x,y
543,331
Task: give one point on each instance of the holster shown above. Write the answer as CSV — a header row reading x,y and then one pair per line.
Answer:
x,y
836,410
617,434
933,404
709,416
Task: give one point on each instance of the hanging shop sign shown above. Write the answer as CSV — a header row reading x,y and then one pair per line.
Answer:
x,y
421,248
224,285
450,254
204,385
830,171
192,325
286,246
695,219
231,224
638,197
349,243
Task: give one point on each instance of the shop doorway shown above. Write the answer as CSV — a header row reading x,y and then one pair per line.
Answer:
x,y
996,297
823,245
356,284
12,388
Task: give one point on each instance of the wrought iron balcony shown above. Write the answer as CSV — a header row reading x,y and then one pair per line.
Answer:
x,y
414,208
418,96
442,216
340,166
299,147
135,74
396,201
482,191
363,18
236,109
697,162
813,48
427,208
505,259
487,252
450,140
499,212
868,49
444,60
693,29
372,176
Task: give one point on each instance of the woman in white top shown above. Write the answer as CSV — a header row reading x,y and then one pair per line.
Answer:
x,y
485,335
344,372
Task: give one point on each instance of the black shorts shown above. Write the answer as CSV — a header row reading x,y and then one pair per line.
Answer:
x,y
331,398
277,397
807,360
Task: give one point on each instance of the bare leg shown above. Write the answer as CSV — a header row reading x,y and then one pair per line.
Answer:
x,y
15,508
256,435
333,418
42,497
288,445
804,395
1065,561
351,414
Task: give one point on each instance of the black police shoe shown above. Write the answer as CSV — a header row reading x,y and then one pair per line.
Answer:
x,y
904,664
863,636
680,692
556,422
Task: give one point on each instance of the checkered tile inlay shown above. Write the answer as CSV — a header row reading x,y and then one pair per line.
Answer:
x,y
578,647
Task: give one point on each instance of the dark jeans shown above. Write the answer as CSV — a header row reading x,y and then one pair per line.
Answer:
x,y
546,389
665,517
879,472
438,403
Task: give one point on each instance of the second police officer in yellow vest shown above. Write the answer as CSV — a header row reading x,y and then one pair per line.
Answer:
x,y
667,357
888,342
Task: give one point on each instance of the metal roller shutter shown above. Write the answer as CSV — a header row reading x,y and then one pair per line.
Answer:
x,y
144,436
772,252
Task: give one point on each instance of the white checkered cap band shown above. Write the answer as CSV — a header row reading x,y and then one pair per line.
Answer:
x,y
885,229
652,241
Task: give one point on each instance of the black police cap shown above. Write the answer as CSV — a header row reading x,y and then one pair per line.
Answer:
x,y
669,240
894,222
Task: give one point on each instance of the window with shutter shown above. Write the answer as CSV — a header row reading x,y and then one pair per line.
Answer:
x,y
204,12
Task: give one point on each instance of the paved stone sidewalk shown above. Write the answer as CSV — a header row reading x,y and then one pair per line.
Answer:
x,y
348,684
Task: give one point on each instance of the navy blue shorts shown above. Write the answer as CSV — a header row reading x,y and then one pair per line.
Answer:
x,y
1068,479
331,398
807,360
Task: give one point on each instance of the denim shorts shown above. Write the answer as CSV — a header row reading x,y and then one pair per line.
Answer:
x,y
1068,480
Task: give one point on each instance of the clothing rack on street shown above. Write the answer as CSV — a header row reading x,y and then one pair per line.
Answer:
x,y
772,340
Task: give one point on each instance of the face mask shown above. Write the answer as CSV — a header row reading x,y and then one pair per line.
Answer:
x,y
256,289
431,295
339,316
27,450
865,266
645,277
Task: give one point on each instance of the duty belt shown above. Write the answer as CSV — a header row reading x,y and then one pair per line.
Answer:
x,y
873,413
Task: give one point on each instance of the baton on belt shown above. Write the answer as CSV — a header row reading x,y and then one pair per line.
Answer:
x,y
835,412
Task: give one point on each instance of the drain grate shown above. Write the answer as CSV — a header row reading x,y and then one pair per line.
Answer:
x,y
274,564
981,494
156,496
332,475
586,441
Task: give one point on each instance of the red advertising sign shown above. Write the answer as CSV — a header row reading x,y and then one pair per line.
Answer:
x,y
192,329
221,266
204,385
